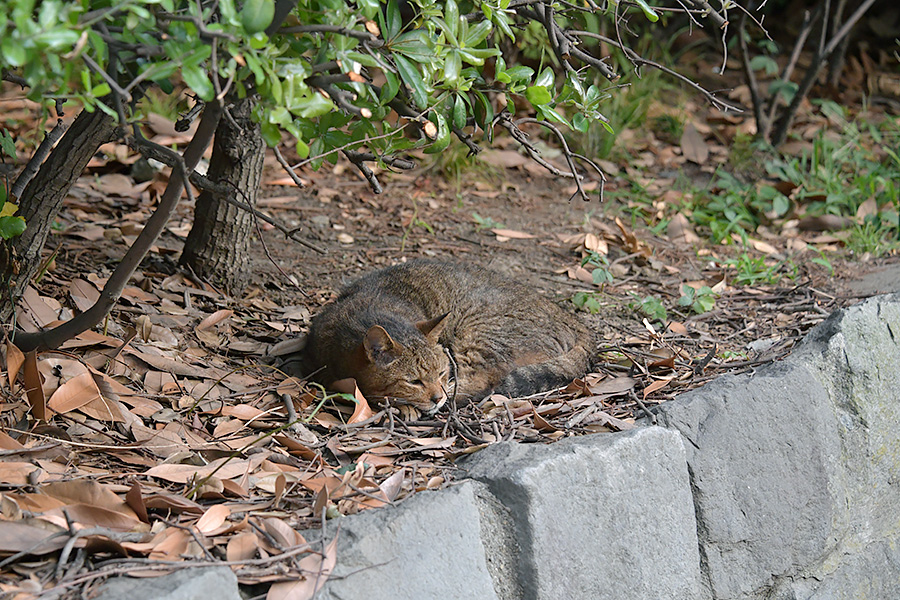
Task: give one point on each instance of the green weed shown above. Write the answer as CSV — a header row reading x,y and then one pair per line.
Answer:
x,y
754,271
650,306
482,223
699,300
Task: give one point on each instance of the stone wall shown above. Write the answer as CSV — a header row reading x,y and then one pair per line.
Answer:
x,y
782,484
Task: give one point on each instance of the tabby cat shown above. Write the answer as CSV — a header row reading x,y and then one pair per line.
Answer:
x,y
406,331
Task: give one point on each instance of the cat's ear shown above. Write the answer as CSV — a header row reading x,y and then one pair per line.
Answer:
x,y
380,346
432,327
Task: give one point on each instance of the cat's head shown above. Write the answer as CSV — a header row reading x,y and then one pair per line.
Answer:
x,y
414,370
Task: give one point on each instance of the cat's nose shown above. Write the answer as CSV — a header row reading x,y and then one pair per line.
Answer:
x,y
437,396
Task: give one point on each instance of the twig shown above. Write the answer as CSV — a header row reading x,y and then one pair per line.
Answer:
x,y
639,60
288,169
40,155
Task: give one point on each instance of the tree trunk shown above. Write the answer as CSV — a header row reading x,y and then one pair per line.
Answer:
x,y
20,257
219,241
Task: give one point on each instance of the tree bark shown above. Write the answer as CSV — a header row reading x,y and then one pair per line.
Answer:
x,y
219,241
20,257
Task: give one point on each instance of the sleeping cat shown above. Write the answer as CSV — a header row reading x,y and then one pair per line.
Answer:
x,y
405,331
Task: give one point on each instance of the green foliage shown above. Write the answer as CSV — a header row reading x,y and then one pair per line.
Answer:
x,y
482,223
699,300
587,301
10,226
650,306
330,74
754,271
875,236
599,265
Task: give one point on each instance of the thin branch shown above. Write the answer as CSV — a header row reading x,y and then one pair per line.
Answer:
x,y
364,36
223,192
358,160
288,169
111,292
566,153
40,155
755,96
636,58
787,118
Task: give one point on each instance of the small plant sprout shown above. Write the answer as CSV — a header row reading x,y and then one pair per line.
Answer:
x,y
700,300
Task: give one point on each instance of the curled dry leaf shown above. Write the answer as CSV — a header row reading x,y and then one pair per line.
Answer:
x,y
15,358
655,386
214,319
361,411
213,518
34,387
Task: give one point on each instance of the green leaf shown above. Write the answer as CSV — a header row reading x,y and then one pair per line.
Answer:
x,y
10,227
7,144
580,123
545,79
519,73
390,88
256,15
411,77
648,11
393,22
451,18
478,33
484,111
538,95
196,79
764,63
452,66
459,112
271,133
13,51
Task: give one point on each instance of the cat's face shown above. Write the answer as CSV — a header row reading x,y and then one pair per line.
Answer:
x,y
414,373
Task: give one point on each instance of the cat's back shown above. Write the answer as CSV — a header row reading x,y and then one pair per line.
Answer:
x,y
436,286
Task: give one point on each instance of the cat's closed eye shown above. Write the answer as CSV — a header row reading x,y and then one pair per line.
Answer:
x,y
417,382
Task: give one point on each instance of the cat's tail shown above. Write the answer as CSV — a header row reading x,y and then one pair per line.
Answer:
x,y
540,377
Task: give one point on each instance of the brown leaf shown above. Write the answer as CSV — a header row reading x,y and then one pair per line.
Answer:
x,y
242,546
693,146
361,411
213,518
680,231
20,473
282,533
34,537
83,293
34,387
616,385
15,358
214,319
655,386
73,394
135,501
513,234
503,158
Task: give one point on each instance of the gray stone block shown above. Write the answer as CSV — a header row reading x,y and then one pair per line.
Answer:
x,y
193,583
795,469
762,450
605,516
427,548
